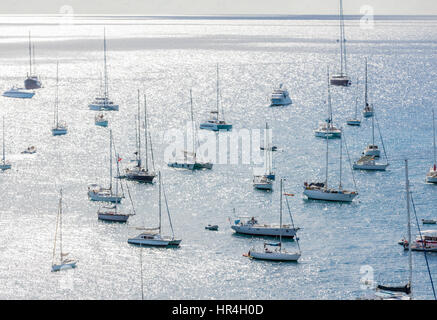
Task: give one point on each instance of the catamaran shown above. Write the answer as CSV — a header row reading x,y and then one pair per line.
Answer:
x,y
138,173
215,123
64,262
277,254
4,165
431,176
99,193
327,129
368,108
190,160
342,79
32,81
280,97
153,236
104,103
60,127
321,191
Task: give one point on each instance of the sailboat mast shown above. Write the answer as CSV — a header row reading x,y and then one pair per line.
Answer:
x,y
365,94
105,68
218,95
280,219
192,124
56,119
373,131
30,57
410,261
139,131
145,133
341,37
60,223
341,158
4,157
433,133
110,160
159,200
116,184
329,103
327,149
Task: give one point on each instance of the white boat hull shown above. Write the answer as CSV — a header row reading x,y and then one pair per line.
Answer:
x,y
274,256
102,107
95,196
329,196
19,95
113,217
215,127
327,134
353,122
154,242
370,167
64,266
280,102
261,231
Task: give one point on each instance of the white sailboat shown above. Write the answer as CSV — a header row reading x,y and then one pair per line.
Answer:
x,y
32,81
99,193
327,129
321,191
190,159
104,103
278,254
354,121
215,123
265,180
372,149
59,127
153,236
431,176
111,212
342,78
64,262
368,108
280,97
138,173
4,165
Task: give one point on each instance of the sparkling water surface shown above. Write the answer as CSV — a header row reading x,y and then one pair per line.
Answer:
x,y
165,58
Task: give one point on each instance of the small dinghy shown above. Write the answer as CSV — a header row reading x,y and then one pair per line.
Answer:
x,y
29,150
212,227
100,120
429,221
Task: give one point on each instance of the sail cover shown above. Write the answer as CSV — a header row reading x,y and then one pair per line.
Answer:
x,y
406,289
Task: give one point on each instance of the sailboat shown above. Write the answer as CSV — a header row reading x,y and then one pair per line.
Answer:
x,y
215,123
368,108
31,81
327,129
4,165
265,181
191,160
368,159
354,121
342,79
64,262
60,127
431,176
111,212
400,292
99,193
279,254
104,103
153,236
138,173
321,191
280,97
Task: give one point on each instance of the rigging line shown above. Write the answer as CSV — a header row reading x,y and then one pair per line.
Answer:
x,y
56,235
423,245
380,136
168,212
349,159
292,222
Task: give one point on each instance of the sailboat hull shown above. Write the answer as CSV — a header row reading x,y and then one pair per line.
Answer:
x,y
5,166
154,242
96,196
215,127
370,167
353,122
113,217
59,132
64,266
265,231
274,256
339,80
32,83
329,196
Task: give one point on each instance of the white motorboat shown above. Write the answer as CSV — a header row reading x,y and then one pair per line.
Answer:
x,y
4,164
342,79
138,173
369,163
99,193
32,81
104,103
251,226
59,127
280,97
327,129
278,254
18,93
262,183
431,176
321,191
29,150
100,120
190,159
64,261
368,108
215,123
153,236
